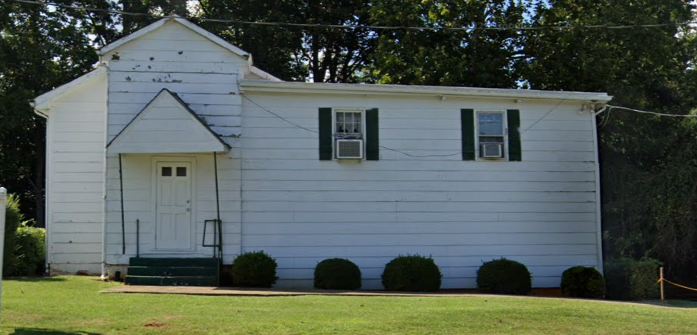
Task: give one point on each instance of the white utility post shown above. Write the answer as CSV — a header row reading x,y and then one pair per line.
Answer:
x,y
3,205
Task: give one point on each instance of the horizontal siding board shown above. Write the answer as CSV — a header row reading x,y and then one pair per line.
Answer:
x,y
196,97
201,56
350,197
409,239
413,176
412,165
325,228
147,66
144,87
419,207
154,78
418,186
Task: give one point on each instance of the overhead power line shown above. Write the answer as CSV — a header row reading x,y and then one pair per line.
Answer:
x,y
610,107
372,27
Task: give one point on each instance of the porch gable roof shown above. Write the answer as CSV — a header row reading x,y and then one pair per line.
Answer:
x,y
166,125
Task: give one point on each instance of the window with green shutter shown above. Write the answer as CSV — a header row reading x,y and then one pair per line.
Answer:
x,y
346,133
491,135
325,134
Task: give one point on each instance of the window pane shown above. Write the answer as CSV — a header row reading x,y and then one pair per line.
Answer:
x,y
491,124
166,171
349,124
181,171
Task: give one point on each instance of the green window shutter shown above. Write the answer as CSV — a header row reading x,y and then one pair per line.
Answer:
x,y
325,134
514,148
372,132
468,135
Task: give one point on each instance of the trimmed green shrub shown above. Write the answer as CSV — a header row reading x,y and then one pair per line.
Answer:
x,y
254,269
412,273
15,262
30,251
504,276
337,274
582,282
630,279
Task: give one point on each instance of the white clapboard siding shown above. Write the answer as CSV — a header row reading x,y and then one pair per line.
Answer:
x,y
75,176
199,71
540,211
138,205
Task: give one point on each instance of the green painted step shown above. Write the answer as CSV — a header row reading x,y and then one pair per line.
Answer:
x,y
178,262
171,271
172,281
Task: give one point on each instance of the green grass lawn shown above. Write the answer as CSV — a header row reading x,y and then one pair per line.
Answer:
x,y
73,305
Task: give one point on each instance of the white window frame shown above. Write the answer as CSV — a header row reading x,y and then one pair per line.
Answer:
x,y
334,133
348,110
504,115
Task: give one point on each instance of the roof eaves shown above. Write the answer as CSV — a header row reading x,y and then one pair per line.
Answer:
x,y
372,89
41,102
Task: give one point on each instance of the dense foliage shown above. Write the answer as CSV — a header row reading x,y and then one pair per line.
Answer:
x,y
337,274
412,273
254,269
29,256
13,220
504,276
24,249
582,282
649,202
629,279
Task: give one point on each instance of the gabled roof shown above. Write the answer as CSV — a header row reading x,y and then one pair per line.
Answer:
x,y
166,125
41,102
175,18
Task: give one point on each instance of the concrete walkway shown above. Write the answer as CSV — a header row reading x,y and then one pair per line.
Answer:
x,y
237,291
271,292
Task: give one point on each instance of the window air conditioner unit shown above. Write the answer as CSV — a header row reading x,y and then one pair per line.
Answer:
x,y
349,149
491,150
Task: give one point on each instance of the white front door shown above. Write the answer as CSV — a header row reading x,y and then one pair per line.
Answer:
x,y
173,196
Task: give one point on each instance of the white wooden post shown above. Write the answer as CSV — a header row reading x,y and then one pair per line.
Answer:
x,y
3,205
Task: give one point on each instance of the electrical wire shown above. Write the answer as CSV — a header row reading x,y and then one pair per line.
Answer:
x,y
316,132
373,27
610,107
544,116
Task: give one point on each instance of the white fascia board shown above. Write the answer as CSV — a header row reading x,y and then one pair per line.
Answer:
x,y
130,37
154,26
414,90
41,103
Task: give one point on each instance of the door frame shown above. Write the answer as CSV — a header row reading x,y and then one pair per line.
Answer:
x,y
155,160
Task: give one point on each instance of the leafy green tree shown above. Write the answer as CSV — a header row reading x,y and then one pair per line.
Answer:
x,y
647,210
275,49
153,9
318,54
40,48
485,58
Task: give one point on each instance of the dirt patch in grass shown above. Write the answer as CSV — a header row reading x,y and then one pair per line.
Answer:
x,y
154,325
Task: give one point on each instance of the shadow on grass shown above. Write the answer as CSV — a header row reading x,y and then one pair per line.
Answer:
x,y
35,279
41,331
